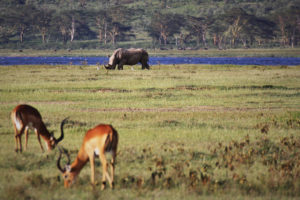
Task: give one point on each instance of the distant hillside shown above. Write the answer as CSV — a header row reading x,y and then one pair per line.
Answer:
x,y
56,24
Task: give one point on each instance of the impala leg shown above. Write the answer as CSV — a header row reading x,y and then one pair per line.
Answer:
x,y
16,139
26,137
16,132
92,162
19,138
20,143
39,139
104,169
112,169
109,179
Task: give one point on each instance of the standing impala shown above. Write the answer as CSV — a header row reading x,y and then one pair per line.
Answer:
x,y
96,142
24,117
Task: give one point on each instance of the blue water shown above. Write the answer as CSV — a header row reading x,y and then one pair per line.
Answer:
x,y
152,61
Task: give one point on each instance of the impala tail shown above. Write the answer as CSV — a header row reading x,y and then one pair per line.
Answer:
x,y
111,141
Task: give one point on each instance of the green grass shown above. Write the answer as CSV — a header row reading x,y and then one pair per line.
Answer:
x,y
186,131
275,52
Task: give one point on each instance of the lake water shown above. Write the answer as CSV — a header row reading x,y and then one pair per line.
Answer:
x,y
153,60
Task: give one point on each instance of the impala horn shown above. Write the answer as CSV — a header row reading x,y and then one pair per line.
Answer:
x,y
58,162
62,130
62,150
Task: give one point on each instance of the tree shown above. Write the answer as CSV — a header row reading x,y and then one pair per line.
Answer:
x,y
6,29
288,23
117,29
20,18
257,29
181,38
101,20
82,3
218,31
236,19
73,24
63,23
119,16
80,25
245,27
102,23
43,21
199,27
163,26
5,32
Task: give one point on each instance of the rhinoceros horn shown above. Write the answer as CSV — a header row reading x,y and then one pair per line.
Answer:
x,y
108,67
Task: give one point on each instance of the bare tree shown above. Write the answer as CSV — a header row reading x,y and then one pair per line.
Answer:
x,y
199,27
42,22
72,29
102,21
288,22
163,26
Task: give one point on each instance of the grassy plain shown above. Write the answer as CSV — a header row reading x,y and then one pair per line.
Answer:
x,y
186,131
273,52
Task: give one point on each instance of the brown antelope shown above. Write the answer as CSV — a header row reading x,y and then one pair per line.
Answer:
x,y
26,117
96,142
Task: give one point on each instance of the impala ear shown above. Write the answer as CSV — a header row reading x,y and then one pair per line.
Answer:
x,y
52,136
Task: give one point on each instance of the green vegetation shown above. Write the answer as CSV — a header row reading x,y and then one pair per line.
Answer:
x,y
186,131
274,52
151,24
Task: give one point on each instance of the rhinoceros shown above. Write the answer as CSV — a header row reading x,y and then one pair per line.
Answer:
x,y
131,56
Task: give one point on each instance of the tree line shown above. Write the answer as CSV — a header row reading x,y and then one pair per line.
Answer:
x,y
110,24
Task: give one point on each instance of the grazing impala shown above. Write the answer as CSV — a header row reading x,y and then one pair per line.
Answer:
x,y
97,141
24,117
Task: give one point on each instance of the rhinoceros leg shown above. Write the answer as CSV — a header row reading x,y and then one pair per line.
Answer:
x,y
144,62
145,65
120,65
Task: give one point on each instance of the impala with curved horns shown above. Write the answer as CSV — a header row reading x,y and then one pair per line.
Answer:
x,y
26,117
96,142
